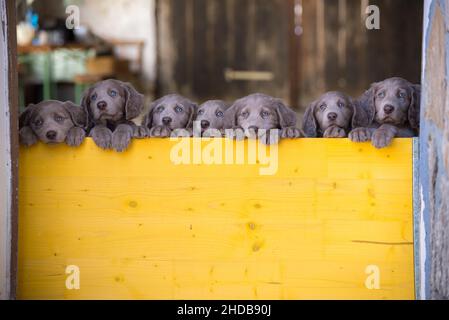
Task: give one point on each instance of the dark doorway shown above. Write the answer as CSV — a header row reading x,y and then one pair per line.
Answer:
x,y
292,49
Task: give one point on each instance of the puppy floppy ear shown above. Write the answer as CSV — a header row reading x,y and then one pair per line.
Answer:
x,y
134,101
287,117
230,115
85,102
85,99
147,121
193,107
415,107
360,117
25,116
367,102
26,134
77,114
309,123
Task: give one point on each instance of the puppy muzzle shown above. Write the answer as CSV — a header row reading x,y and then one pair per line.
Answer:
x,y
205,124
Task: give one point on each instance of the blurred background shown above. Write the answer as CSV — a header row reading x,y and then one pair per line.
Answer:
x,y
222,49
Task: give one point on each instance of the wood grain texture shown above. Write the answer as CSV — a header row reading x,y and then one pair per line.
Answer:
x,y
140,227
201,39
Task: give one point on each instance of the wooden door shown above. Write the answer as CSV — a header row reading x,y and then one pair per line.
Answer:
x,y
292,49
338,52
223,49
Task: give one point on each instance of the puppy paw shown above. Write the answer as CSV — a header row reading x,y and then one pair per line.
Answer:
x,y
160,132
334,132
236,133
121,140
360,135
290,133
102,137
212,133
270,137
140,132
382,138
75,137
27,137
182,133
252,133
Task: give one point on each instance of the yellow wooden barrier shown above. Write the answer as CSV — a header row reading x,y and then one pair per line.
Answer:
x,y
335,220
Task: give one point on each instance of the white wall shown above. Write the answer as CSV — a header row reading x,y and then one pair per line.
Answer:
x,y
5,162
124,20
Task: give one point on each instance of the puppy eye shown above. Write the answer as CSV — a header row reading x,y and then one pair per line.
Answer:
x,y
323,107
264,114
341,104
59,118
38,123
113,93
219,114
381,95
402,95
201,112
94,97
178,109
160,109
244,114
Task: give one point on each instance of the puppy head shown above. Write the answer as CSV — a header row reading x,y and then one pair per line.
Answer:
x,y
259,111
211,115
112,100
393,101
172,111
331,109
51,120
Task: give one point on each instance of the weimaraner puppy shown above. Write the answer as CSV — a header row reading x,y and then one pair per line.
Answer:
x,y
331,116
170,115
261,116
391,110
210,117
111,105
53,122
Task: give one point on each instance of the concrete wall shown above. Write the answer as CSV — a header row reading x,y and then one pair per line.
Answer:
x,y
434,170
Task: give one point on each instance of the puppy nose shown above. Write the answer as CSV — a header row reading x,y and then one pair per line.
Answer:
x,y
388,109
332,116
166,120
205,124
51,135
102,105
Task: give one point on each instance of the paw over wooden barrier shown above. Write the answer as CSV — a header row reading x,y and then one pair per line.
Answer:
x,y
336,221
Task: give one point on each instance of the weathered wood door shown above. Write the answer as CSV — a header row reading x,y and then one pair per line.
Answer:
x,y
223,48
293,49
338,52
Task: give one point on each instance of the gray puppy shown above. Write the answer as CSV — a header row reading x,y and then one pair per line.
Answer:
x,y
210,116
262,116
171,113
331,116
392,110
53,122
111,105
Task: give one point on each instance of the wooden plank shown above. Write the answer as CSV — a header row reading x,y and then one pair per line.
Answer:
x,y
139,226
9,145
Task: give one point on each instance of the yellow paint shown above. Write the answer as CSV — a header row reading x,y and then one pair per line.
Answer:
x,y
139,227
